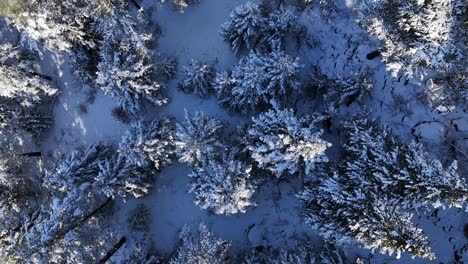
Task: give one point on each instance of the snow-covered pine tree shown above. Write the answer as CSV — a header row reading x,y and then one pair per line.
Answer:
x,y
198,78
300,254
181,5
198,245
259,26
284,144
117,178
125,69
148,144
417,35
16,119
222,185
244,27
344,211
80,167
404,170
166,67
257,80
343,91
23,91
198,137
278,24
59,25
49,236
20,82
368,196
19,194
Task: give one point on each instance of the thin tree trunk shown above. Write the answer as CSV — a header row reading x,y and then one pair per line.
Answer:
x,y
114,249
372,55
138,6
32,154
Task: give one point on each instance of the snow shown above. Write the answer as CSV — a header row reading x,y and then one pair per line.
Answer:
x,y
83,115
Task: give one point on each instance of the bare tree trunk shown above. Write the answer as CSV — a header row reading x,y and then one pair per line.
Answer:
x,y
372,55
32,154
114,249
138,6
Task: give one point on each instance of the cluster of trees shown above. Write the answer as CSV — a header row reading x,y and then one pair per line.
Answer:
x,y
199,245
259,26
266,75
258,82
25,93
367,196
58,221
105,42
421,39
219,178
222,177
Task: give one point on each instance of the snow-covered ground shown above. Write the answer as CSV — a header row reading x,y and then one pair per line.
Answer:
x,y
83,116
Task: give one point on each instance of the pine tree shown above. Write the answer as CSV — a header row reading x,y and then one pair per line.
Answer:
x,y
198,137
256,26
257,80
117,178
59,25
368,196
301,254
342,91
51,235
198,78
278,25
198,245
181,5
19,195
284,144
23,91
417,35
222,186
243,28
403,169
166,67
125,68
148,145
80,167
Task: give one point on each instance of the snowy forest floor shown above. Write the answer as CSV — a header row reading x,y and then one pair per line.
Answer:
x,y
82,118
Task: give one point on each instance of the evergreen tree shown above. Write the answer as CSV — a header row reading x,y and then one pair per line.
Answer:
x,y
366,196
166,67
417,35
403,169
148,145
117,178
20,195
342,91
125,68
80,167
284,144
51,234
198,245
252,26
222,185
257,80
181,5
243,28
198,78
278,25
23,91
198,137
